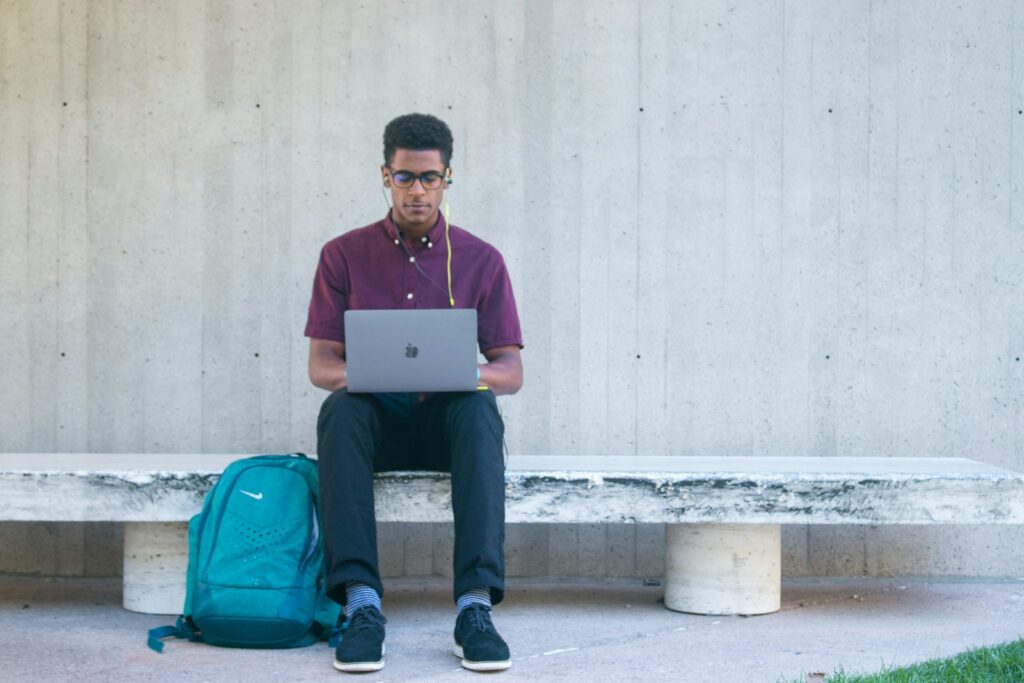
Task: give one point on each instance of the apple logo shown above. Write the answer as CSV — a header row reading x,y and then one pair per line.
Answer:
x,y
411,351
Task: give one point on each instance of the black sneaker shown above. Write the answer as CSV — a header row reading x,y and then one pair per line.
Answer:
x,y
477,642
362,642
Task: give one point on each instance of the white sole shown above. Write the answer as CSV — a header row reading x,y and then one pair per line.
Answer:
x,y
361,667
480,666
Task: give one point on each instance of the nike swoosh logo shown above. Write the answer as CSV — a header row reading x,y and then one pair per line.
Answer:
x,y
255,496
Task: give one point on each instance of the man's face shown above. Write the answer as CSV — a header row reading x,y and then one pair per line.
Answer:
x,y
415,208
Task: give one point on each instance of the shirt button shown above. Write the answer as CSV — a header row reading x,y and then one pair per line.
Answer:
x,y
409,295
423,239
396,241
412,259
430,245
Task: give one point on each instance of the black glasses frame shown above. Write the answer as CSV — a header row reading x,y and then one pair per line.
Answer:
x,y
427,179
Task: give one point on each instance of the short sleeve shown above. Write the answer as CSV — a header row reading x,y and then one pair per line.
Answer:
x,y
327,306
497,317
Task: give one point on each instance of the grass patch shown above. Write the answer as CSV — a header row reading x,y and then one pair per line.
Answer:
x,y
999,664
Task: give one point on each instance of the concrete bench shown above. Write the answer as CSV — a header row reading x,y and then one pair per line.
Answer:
x,y
723,514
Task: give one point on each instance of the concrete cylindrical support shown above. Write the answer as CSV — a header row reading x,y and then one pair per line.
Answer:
x,y
723,568
155,564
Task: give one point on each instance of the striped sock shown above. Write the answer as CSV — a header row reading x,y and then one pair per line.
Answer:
x,y
478,596
359,595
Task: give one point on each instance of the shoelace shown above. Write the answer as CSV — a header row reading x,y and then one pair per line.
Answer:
x,y
479,618
364,618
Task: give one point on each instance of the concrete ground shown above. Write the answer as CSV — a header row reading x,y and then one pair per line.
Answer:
x,y
585,630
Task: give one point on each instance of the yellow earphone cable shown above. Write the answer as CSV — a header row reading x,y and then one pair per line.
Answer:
x,y
448,247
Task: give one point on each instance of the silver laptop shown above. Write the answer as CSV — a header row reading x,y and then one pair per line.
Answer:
x,y
411,350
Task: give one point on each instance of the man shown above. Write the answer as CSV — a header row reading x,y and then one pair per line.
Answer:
x,y
401,262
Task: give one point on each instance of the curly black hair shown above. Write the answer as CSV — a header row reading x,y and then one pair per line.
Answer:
x,y
418,131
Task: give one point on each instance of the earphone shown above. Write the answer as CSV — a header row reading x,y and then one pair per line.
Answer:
x,y
447,236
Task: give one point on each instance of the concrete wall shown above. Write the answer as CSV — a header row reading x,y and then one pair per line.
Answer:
x,y
786,228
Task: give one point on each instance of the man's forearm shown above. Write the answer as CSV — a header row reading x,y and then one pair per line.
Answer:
x,y
328,373
502,375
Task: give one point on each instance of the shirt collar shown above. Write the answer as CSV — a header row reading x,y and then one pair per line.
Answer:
x,y
434,235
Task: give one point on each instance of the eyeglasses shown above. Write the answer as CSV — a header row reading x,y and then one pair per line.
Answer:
x,y
431,180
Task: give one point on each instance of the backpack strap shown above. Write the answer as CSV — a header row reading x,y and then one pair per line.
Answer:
x,y
184,628
331,634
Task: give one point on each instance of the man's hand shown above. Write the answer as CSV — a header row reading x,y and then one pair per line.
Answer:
x,y
327,368
503,372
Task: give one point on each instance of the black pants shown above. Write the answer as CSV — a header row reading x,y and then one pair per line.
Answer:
x,y
461,433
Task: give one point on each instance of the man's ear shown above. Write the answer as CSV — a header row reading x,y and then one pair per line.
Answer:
x,y
385,176
448,177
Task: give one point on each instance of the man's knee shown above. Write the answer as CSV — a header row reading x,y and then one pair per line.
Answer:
x,y
341,405
475,403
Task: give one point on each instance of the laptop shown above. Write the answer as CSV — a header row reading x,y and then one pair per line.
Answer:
x,y
411,350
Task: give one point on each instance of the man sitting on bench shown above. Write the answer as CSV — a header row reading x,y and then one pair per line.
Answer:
x,y
401,262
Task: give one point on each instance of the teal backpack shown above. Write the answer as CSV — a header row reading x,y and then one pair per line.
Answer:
x,y
256,560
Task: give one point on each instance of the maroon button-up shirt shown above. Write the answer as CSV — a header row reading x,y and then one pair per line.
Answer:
x,y
372,268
